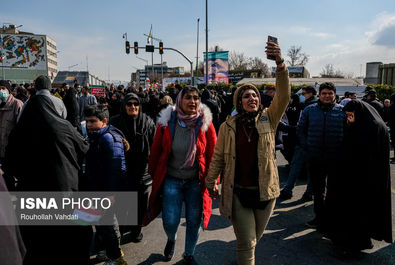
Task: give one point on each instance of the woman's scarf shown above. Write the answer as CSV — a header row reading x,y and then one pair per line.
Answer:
x,y
190,121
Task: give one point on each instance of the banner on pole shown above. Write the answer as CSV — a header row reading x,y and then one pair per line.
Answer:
x,y
218,67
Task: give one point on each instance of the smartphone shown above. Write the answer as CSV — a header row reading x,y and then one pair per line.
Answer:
x,y
271,39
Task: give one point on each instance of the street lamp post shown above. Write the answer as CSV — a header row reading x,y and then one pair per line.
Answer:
x,y
197,47
71,66
146,63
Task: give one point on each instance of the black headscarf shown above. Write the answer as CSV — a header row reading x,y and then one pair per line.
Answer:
x,y
134,125
71,103
48,147
139,132
362,189
366,117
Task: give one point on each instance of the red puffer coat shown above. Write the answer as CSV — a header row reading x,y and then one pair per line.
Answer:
x,y
160,152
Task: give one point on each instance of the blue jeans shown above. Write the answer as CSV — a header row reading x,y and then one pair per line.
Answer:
x,y
175,192
298,160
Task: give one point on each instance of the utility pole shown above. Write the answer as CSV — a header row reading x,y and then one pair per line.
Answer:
x,y
161,66
152,55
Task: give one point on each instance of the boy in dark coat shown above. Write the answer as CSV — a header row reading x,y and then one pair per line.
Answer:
x,y
105,170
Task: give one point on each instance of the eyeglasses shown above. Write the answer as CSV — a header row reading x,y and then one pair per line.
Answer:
x,y
129,104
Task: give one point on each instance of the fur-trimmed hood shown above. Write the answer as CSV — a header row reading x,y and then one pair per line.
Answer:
x,y
165,116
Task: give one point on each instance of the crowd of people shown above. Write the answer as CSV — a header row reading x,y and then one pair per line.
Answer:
x,y
190,146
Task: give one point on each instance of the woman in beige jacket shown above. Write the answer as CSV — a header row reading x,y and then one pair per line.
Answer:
x,y
245,153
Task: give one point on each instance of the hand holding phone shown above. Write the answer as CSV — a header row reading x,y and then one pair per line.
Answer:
x,y
271,39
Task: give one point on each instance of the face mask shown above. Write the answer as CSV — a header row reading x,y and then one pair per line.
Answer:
x,y
302,99
3,95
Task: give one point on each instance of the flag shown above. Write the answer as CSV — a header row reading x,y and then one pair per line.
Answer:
x,y
87,216
149,36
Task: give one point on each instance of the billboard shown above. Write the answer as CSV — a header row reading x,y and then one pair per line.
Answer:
x,y
23,51
218,67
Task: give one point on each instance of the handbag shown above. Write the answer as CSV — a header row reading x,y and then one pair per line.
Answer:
x,y
249,197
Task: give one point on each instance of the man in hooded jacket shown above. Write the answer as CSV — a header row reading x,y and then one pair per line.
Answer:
x,y
139,130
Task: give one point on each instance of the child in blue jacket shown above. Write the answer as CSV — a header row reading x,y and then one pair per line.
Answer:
x,y
105,170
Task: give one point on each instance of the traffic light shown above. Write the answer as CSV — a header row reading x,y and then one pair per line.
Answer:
x,y
136,47
161,47
127,47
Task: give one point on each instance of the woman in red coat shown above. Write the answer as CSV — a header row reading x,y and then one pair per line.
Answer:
x,y
180,155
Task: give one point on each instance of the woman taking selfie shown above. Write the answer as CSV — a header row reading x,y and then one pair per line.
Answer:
x,y
245,152
181,152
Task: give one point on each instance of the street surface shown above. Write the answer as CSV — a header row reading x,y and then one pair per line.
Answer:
x,y
287,240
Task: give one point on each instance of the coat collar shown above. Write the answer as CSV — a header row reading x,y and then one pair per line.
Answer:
x,y
168,113
231,120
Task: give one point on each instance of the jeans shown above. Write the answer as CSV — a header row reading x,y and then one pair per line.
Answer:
x,y
296,167
175,192
249,225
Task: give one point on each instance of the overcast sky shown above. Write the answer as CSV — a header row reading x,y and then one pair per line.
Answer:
x,y
345,33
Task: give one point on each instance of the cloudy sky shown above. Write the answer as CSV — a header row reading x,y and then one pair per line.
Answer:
x,y
344,33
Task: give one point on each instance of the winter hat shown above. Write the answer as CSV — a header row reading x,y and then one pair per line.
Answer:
x,y
239,93
5,84
42,82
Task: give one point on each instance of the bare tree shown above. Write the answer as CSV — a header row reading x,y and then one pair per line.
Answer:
x,y
237,61
200,68
329,71
257,64
296,56
349,75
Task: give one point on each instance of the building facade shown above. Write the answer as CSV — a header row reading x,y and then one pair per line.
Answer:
x,y
25,56
372,72
386,74
84,78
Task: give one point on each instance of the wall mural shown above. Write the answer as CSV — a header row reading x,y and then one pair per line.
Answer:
x,y
23,51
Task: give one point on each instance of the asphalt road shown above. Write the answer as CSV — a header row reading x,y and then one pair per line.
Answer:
x,y
287,240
